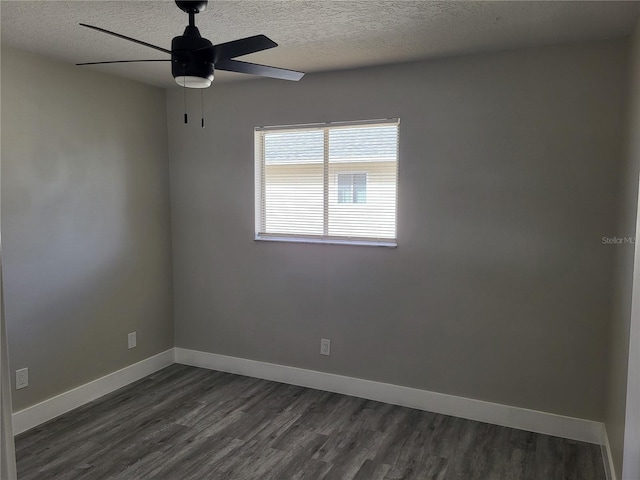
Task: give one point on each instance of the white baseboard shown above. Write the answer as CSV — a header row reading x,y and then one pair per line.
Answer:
x,y
494,413
53,407
515,417
607,458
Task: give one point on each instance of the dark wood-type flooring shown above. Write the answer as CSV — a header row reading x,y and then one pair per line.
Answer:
x,y
191,423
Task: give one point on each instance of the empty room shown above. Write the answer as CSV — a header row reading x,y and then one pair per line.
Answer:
x,y
337,239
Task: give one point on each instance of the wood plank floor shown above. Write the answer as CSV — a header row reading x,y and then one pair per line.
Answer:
x,y
191,423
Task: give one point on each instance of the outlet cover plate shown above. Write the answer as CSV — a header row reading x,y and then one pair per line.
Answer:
x,y
325,346
132,340
22,378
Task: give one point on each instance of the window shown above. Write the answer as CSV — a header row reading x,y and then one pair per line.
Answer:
x,y
334,183
352,188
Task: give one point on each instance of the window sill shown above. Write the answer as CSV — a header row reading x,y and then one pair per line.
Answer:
x,y
329,241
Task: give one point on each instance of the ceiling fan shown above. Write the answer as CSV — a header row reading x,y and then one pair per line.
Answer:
x,y
193,58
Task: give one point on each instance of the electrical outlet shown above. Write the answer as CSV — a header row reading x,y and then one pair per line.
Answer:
x,y
325,346
132,340
22,378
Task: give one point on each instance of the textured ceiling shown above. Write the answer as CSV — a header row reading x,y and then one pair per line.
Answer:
x,y
314,35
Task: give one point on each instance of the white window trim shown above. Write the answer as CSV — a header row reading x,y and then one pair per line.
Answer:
x,y
377,122
362,242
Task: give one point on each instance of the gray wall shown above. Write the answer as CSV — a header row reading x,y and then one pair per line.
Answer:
x,y
500,286
616,387
631,468
85,222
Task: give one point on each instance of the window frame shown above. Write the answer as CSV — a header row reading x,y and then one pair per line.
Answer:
x,y
260,183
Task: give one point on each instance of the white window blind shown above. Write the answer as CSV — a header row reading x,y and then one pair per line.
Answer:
x,y
335,182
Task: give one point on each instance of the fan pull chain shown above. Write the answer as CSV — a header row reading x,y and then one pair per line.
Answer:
x,y
202,106
184,96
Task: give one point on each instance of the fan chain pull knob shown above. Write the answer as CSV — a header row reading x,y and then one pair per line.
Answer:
x,y
202,107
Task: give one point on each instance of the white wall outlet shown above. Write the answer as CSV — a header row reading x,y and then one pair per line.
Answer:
x,y
22,378
132,340
325,346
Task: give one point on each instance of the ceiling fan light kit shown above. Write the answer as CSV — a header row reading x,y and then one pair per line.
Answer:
x,y
189,81
194,59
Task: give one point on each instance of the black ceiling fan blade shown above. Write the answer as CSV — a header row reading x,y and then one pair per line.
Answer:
x,y
124,37
256,69
124,61
243,46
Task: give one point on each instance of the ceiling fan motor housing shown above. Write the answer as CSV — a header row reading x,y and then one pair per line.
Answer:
x,y
190,56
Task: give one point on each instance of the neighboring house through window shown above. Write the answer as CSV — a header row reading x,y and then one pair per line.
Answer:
x,y
352,187
334,182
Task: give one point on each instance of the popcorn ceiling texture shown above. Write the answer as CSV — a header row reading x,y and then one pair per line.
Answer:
x,y
313,35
